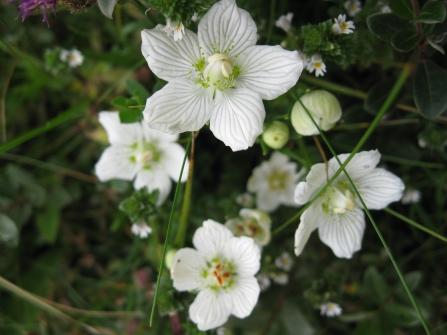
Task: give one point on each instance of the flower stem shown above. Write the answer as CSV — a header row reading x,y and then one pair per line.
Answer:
x,y
271,21
333,87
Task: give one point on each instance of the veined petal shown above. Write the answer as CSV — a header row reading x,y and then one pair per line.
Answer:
x,y
315,180
115,163
120,133
238,117
362,163
167,58
378,188
268,70
187,269
343,233
244,296
154,179
226,29
210,309
310,220
171,160
244,254
211,238
178,107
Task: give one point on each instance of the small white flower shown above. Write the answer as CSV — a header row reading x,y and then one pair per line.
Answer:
x,y
353,7
285,22
337,213
141,229
316,63
217,75
223,270
284,262
411,197
176,29
253,223
263,281
136,151
303,58
245,200
280,278
384,8
341,26
274,182
195,17
73,57
330,309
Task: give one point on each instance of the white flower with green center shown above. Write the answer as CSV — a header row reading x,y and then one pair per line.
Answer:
x,y
253,223
223,270
284,261
341,26
353,7
136,151
338,213
274,182
330,309
72,57
218,75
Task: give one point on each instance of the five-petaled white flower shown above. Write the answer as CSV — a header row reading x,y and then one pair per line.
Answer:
x,y
72,57
411,197
141,229
353,7
330,309
136,151
284,261
280,278
285,22
218,75
223,270
253,223
176,29
337,213
316,63
274,182
341,26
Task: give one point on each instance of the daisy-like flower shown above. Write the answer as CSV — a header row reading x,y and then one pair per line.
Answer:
x,y
263,281
353,7
411,197
136,151
73,57
284,261
176,29
285,22
274,182
280,278
330,309
316,63
28,6
218,75
337,213
341,26
253,223
141,229
223,270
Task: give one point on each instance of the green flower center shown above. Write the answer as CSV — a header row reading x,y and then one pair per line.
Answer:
x,y
339,199
220,274
146,154
278,180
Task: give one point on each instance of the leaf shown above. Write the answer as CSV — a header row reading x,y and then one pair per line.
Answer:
x,y
131,116
435,46
401,315
431,12
405,40
377,96
294,321
9,234
376,287
385,25
429,89
412,279
107,7
48,223
134,88
402,8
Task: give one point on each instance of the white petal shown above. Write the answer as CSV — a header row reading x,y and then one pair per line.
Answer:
x,y
343,233
210,309
238,118
187,267
362,163
315,181
178,107
154,179
210,239
171,160
379,187
120,133
310,220
167,58
244,254
226,29
268,70
115,163
267,201
244,296
156,136
277,159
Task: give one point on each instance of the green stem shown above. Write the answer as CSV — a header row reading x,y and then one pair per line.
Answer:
x,y
165,246
271,21
305,152
291,154
333,87
410,162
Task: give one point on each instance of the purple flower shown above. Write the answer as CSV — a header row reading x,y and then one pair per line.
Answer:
x,y
28,6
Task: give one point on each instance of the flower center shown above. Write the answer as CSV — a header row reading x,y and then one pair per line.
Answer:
x,y
222,274
343,26
317,65
339,201
145,153
278,180
249,228
218,72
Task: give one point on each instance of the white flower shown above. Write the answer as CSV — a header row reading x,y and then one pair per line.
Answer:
x,y
284,262
195,17
253,223
353,7
280,278
330,309
341,26
73,57
223,270
411,197
337,213
263,281
274,182
218,75
176,29
136,151
141,229
245,200
285,22
384,8
303,58
316,63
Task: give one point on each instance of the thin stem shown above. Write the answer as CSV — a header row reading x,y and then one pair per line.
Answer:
x,y
323,155
410,162
5,85
271,21
294,156
333,87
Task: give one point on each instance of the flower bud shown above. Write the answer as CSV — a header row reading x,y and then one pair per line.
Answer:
x,y
169,258
276,135
324,108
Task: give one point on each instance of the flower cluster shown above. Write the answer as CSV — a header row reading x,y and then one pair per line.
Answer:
x,y
28,6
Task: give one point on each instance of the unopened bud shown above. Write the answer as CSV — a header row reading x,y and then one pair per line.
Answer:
x,y
276,135
169,258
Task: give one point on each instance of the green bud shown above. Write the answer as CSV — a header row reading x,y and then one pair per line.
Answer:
x,y
276,135
324,108
169,258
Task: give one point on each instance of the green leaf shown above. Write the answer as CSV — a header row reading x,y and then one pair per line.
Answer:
x,y
9,234
431,12
401,315
377,95
122,103
405,40
130,116
402,8
385,25
48,223
375,285
413,279
135,88
429,89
